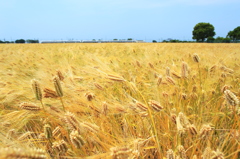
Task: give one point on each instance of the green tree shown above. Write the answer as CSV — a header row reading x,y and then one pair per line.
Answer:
x,y
201,31
32,41
235,34
20,41
210,39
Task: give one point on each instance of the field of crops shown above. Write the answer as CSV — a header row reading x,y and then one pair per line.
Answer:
x,y
119,101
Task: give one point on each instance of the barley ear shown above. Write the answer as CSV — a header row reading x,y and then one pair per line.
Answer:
x,y
57,85
37,91
58,88
196,58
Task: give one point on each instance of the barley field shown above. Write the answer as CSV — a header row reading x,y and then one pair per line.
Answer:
x,y
120,101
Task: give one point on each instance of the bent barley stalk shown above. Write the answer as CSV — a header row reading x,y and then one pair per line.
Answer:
x,y
37,91
58,89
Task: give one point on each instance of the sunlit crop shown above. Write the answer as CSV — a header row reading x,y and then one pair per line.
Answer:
x,y
120,101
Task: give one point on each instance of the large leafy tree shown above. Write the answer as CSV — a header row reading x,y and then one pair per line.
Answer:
x,y
235,34
201,31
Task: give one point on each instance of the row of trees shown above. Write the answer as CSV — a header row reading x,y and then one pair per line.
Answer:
x,y
20,41
203,31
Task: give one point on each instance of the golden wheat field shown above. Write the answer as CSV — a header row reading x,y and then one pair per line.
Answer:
x,y
120,101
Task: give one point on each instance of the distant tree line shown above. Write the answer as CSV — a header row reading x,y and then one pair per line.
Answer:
x,y
21,41
204,32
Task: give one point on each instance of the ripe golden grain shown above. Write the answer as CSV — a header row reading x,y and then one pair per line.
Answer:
x,y
167,71
48,93
184,70
205,130
170,80
182,152
17,153
120,152
170,154
231,98
60,147
176,75
104,108
115,78
27,135
76,139
48,131
29,106
156,106
196,58
90,127
98,86
192,129
90,96
57,86
71,121
141,106
36,89
159,80
60,75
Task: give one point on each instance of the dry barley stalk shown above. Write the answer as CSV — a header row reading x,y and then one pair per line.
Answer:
x,y
141,106
48,93
29,106
176,75
58,88
184,70
98,86
90,96
115,78
217,155
71,121
60,75
60,147
170,80
196,59
120,152
90,127
207,154
104,108
205,131
27,135
170,154
192,129
76,139
167,71
155,105
159,80
17,153
37,91
47,131
182,152
231,98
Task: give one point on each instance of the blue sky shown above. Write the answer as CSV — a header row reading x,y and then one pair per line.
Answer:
x,y
108,19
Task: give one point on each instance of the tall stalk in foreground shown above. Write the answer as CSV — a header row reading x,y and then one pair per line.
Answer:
x,y
197,60
58,89
37,91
